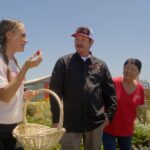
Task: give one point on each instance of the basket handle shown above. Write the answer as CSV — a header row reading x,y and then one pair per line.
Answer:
x,y
60,124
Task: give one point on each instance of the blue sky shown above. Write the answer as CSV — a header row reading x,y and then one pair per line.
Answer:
x,y
121,30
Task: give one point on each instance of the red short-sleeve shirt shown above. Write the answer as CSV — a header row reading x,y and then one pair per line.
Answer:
x,y
123,122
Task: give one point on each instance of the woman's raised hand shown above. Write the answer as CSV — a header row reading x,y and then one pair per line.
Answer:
x,y
34,60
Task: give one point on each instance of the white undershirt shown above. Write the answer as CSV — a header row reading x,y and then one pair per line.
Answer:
x,y
85,58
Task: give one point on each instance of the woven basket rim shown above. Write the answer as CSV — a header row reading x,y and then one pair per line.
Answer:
x,y
46,130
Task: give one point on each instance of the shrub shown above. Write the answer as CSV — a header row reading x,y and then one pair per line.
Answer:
x,y
141,136
39,112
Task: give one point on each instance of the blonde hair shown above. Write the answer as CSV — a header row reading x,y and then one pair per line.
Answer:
x,y
7,25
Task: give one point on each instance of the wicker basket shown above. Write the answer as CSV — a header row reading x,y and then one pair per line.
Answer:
x,y
36,136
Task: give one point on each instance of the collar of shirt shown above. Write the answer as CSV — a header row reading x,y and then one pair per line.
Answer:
x,y
85,58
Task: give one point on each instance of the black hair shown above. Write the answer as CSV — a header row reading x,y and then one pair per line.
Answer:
x,y
134,61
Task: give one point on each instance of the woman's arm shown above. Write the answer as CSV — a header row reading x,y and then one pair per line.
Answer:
x,y
8,91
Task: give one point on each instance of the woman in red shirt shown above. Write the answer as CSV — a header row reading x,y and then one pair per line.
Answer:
x,y
130,94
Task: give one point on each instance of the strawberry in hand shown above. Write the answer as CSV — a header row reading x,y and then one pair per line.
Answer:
x,y
38,52
36,55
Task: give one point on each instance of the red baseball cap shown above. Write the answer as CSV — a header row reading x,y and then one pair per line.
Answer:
x,y
84,31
